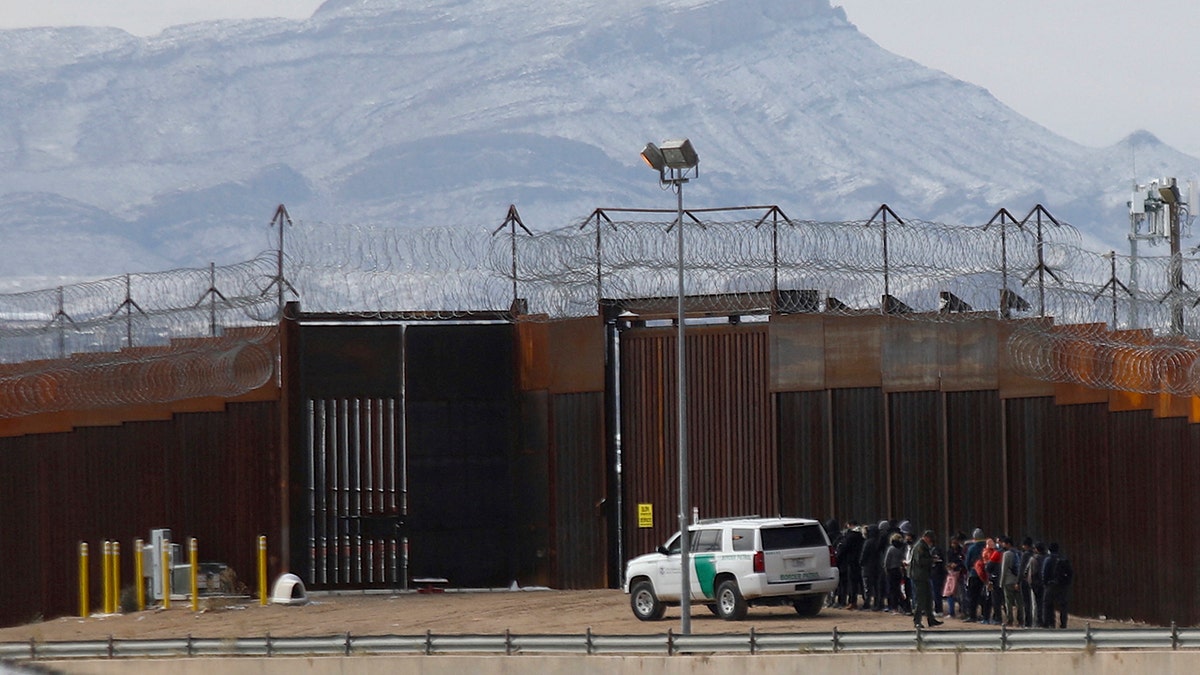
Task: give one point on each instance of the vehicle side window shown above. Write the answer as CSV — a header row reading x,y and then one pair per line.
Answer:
x,y
704,541
743,540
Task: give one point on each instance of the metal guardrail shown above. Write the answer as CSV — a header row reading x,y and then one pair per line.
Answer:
x,y
589,643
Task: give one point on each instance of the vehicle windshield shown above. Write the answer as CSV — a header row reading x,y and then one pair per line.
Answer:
x,y
792,536
672,545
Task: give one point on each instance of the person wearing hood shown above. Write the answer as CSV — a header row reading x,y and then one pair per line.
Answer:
x,y
832,530
886,529
1057,576
893,564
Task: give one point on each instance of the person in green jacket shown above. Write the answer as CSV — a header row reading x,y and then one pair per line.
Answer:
x,y
920,570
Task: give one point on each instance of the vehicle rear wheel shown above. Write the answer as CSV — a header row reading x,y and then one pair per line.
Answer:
x,y
809,606
731,606
644,602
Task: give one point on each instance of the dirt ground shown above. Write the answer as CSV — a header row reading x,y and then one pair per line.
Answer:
x,y
522,612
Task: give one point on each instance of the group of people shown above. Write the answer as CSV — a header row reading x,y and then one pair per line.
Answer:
x,y
886,567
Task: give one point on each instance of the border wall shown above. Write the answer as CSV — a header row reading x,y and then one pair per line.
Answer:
x,y
808,414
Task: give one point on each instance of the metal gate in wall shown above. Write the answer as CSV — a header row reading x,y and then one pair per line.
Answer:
x,y
348,468
409,432
356,492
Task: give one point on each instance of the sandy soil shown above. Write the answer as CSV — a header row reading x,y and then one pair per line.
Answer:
x,y
522,612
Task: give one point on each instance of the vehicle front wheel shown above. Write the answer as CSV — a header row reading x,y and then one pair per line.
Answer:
x,y
809,606
731,606
644,602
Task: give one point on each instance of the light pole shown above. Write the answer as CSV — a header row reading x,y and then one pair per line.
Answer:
x,y
676,162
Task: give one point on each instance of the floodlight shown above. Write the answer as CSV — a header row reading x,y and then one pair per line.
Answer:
x,y
654,157
679,154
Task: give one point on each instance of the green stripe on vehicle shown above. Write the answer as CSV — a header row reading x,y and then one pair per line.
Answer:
x,y
706,570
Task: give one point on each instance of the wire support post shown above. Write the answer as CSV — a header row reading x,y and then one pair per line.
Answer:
x,y
279,282
512,221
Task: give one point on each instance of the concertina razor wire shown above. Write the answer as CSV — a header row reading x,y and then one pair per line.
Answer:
x,y
213,331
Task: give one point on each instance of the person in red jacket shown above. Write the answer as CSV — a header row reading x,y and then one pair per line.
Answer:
x,y
980,569
993,575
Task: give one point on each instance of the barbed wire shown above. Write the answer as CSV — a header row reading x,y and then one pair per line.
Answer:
x,y
1111,324
138,339
238,362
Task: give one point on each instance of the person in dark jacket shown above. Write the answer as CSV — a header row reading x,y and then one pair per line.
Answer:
x,y
835,540
871,564
975,586
886,529
1057,577
1025,588
937,578
920,571
1033,574
849,558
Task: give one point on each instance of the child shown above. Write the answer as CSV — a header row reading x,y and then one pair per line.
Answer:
x,y
954,567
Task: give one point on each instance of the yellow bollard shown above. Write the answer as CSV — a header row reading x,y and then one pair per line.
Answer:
x,y
262,570
105,577
115,568
84,609
138,576
166,573
194,563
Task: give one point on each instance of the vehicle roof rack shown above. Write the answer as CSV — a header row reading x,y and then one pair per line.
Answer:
x,y
709,521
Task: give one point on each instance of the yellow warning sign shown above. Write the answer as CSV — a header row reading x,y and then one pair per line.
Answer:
x,y
645,515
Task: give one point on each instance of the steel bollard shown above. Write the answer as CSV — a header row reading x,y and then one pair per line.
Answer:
x,y
194,564
84,609
139,574
262,570
114,568
166,573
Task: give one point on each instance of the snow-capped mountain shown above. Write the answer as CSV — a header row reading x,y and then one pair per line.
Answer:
x,y
119,153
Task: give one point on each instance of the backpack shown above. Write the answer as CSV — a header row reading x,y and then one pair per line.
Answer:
x,y
1063,572
1014,566
1050,569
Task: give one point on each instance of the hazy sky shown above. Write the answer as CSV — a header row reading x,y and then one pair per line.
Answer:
x,y
1091,70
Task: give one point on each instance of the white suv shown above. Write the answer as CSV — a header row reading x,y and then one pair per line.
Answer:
x,y
738,562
